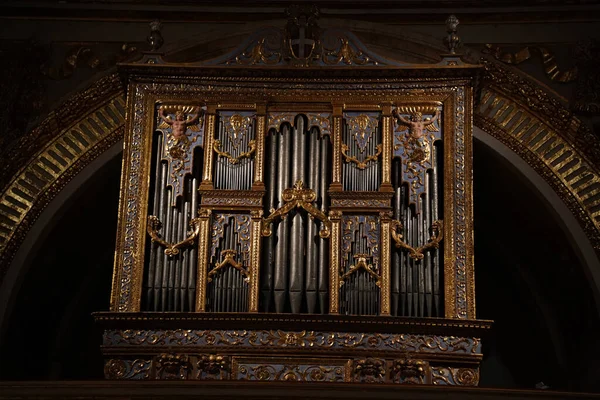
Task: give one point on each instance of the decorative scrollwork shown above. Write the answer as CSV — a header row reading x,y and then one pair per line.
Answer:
x,y
232,159
259,54
361,264
298,197
346,54
360,164
172,249
229,259
417,253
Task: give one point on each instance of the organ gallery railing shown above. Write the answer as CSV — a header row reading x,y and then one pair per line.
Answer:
x,y
340,197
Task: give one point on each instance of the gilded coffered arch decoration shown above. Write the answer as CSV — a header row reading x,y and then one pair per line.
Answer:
x,y
511,108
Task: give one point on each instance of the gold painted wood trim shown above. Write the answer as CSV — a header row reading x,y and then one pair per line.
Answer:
x,y
73,145
256,241
334,267
469,232
202,266
127,289
387,133
385,265
209,138
259,138
449,151
550,153
336,181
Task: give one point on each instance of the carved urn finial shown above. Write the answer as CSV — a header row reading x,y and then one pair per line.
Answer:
x,y
452,41
155,39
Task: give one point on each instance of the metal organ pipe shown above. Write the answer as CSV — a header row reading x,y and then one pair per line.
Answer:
x,y
281,254
297,230
191,277
311,229
323,244
154,248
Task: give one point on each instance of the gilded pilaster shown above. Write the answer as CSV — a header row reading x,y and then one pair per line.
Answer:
x,y
386,140
255,260
336,184
385,263
334,271
449,255
209,138
203,243
260,147
470,250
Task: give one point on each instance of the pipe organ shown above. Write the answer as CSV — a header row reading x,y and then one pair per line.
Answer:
x,y
268,210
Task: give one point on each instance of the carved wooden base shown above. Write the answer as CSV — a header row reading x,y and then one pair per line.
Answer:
x,y
253,347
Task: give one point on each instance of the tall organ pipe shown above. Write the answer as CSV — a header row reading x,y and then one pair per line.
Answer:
x,y
191,283
281,254
267,273
297,235
311,229
395,284
323,244
155,249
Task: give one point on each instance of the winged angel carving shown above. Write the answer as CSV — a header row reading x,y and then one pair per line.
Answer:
x,y
417,128
178,141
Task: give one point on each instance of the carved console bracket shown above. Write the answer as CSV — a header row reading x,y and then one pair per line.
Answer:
x,y
229,259
232,159
418,253
360,164
361,264
172,249
298,197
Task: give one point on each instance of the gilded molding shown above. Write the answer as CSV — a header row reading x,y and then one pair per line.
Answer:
x,y
386,159
385,265
204,242
209,138
255,261
119,368
544,147
261,133
73,143
334,268
455,376
337,151
296,369
307,340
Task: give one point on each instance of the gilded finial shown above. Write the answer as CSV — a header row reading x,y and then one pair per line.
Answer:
x,y
452,40
155,39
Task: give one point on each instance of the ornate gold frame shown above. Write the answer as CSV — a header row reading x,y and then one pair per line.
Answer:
x,y
452,91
